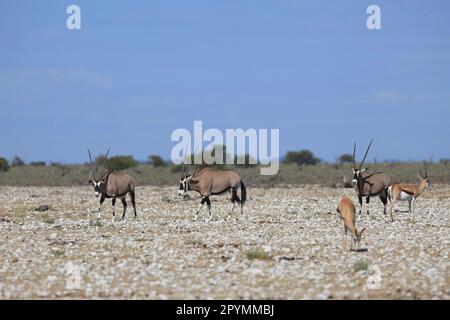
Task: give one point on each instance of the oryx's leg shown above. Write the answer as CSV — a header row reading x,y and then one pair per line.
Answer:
x,y
124,202
360,204
133,202
102,199
367,204
202,202
114,208
208,203
233,203
384,198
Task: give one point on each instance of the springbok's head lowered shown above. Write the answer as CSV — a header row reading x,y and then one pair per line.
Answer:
x,y
94,179
357,238
357,170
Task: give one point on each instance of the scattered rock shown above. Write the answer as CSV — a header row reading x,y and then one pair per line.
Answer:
x,y
43,208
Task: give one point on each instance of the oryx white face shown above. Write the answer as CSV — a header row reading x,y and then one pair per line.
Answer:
x,y
356,173
183,186
97,186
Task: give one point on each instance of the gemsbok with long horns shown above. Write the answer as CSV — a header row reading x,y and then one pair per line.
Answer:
x,y
346,210
210,181
369,184
408,192
112,184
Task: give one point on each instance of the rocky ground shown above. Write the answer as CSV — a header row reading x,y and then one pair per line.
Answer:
x,y
288,247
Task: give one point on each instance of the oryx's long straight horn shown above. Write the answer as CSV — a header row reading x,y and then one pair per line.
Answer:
x,y
367,152
106,156
90,157
354,154
92,166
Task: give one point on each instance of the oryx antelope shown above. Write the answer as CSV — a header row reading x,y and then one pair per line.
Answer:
x,y
408,192
211,181
369,184
347,210
112,184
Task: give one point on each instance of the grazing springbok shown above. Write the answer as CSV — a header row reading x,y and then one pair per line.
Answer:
x,y
347,210
211,181
408,192
369,184
112,184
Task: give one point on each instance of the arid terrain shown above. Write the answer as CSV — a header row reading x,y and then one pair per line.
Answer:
x,y
289,246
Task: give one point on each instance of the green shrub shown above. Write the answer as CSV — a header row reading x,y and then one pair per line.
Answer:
x,y
360,266
257,254
121,163
346,158
156,161
302,157
4,165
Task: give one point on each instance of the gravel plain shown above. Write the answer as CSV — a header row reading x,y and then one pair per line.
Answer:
x,y
289,246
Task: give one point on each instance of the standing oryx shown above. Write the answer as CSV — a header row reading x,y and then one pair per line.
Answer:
x,y
369,184
408,192
211,181
111,184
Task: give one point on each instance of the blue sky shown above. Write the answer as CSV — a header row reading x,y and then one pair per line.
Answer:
x,y
137,70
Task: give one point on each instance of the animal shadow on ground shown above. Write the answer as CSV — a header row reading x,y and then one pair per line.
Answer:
x,y
360,250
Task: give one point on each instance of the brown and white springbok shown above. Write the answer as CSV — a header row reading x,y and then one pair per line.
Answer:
x,y
347,210
408,192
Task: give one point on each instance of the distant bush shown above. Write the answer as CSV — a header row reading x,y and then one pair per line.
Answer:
x,y
17,162
302,157
156,161
121,163
4,165
37,163
346,158
445,162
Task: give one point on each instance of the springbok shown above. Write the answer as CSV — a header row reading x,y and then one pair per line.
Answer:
x,y
112,184
408,192
369,184
346,210
211,181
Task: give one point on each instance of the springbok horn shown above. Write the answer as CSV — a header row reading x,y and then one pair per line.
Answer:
x,y
365,156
